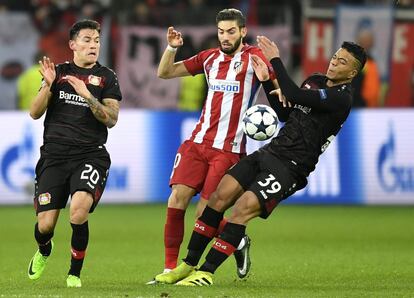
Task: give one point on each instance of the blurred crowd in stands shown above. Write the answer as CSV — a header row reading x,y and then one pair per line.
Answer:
x,y
53,18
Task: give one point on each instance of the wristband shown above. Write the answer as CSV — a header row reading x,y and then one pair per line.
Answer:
x,y
171,49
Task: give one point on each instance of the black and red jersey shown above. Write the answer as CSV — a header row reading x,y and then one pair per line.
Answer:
x,y
69,125
312,123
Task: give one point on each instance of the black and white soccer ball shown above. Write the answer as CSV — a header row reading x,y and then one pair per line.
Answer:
x,y
260,122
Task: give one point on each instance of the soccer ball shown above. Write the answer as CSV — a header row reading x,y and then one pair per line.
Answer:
x,y
260,122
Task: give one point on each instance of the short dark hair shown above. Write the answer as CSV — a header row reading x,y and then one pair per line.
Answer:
x,y
357,51
231,14
83,24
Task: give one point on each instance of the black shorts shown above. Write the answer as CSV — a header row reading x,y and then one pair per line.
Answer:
x,y
56,179
267,177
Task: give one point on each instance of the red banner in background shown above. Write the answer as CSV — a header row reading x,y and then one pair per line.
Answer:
x,y
401,85
317,50
141,49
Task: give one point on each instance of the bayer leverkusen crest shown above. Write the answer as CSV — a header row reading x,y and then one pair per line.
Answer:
x,y
44,198
94,80
238,66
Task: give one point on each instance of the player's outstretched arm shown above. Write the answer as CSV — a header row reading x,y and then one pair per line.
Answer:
x,y
323,100
167,69
39,104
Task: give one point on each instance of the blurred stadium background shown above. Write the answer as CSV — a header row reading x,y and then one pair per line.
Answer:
x,y
371,162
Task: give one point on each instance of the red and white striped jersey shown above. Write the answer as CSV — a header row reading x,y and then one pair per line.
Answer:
x,y
232,88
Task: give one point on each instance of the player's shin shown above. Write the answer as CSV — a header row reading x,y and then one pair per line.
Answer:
x,y
80,238
224,246
173,236
205,229
43,240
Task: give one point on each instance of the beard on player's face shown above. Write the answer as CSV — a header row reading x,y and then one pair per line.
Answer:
x,y
231,50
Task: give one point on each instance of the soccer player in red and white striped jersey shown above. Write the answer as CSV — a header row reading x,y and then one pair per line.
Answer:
x,y
217,141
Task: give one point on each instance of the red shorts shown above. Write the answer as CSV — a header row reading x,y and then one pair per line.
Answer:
x,y
201,167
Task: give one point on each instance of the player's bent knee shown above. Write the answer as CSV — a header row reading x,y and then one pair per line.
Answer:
x,y
218,201
78,219
180,196
177,201
46,226
46,221
79,215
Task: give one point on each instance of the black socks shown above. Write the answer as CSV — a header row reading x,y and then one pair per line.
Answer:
x,y
224,246
43,240
205,229
80,238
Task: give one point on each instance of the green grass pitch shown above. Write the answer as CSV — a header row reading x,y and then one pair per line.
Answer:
x,y
300,251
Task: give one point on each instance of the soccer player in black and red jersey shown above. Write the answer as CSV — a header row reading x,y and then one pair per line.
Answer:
x,y
81,101
313,115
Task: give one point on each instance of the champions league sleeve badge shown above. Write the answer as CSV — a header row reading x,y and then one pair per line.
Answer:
x,y
94,80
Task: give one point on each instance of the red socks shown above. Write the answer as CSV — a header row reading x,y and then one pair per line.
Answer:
x,y
173,236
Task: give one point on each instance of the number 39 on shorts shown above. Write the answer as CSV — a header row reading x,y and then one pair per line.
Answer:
x,y
271,187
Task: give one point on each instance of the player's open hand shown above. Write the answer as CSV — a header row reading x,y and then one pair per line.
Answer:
x,y
174,38
282,98
79,86
268,47
260,68
47,70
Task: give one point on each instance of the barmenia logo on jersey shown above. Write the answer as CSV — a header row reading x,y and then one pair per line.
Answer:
x,y
44,198
73,99
224,86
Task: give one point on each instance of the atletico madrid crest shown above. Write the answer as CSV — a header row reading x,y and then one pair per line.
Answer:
x,y
238,66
